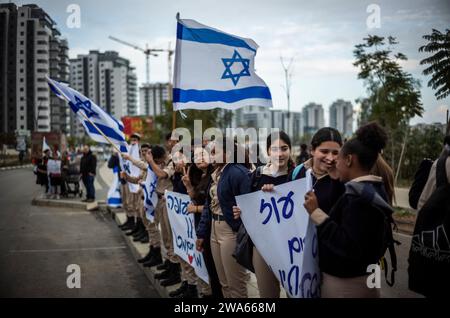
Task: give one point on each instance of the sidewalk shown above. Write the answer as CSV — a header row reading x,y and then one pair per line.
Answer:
x,y
139,250
402,198
101,184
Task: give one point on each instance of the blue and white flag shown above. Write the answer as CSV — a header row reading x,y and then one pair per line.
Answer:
x,y
111,127
214,69
45,145
131,169
114,198
150,195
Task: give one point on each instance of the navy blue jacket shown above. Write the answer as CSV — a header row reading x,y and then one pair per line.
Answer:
x,y
235,180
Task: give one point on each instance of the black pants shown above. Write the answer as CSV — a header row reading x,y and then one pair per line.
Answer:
x,y
214,282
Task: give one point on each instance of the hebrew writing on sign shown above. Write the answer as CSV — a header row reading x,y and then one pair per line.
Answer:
x,y
281,230
183,232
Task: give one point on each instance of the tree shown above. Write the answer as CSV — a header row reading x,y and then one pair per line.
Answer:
x,y
439,44
393,94
210,118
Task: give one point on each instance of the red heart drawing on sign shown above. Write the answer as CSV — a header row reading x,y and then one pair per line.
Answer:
x,y
190,257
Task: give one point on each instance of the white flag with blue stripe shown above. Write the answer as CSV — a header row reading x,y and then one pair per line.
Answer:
x,y
131,169
111,127
114,197
150,195
214,69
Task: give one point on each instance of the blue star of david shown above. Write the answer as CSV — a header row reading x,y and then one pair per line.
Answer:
x,y
229,63
85,106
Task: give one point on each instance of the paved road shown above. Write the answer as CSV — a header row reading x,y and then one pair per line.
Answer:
x,y
38,243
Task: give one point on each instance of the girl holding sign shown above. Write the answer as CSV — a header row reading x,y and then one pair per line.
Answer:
x,y
264,178
325,146
354,235
229,179
196,181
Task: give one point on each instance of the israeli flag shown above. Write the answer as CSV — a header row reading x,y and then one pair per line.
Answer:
x,y
131,169
45,145
111,127
214,69
114,198
150,195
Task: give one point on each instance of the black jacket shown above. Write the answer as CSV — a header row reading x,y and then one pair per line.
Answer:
x,y
88,164
353,236
234,181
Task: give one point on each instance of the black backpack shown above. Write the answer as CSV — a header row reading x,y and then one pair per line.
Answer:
x,y
420,179
429,255
367,192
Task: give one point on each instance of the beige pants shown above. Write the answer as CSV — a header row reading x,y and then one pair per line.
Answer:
x,y
232,276
203,288
133,204
166,231
151,227
268,284
355,287
188,273
125,191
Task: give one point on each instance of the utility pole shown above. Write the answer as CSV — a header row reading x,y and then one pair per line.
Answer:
x,y
288,71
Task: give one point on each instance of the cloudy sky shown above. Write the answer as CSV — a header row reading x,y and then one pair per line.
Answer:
x,y
320,34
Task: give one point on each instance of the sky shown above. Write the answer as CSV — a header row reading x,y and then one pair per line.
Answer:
x,y
320,36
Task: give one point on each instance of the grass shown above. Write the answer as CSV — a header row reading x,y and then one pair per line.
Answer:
x,y
401,212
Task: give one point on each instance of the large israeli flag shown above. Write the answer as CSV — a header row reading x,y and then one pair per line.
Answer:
x,y
150,195
215,69
111,127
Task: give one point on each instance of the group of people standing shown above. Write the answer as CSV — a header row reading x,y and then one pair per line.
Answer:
x,y
351,204
54,170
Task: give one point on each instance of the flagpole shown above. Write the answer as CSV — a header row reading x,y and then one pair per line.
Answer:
x,y
101,132
174,113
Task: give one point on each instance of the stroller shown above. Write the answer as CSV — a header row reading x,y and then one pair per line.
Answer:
x,y
72,180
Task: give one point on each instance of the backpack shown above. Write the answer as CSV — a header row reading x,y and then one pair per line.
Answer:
x,y
367,192
429,255
420,179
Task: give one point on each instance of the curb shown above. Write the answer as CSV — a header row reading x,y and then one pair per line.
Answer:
x,y
139,250
96,205
16,167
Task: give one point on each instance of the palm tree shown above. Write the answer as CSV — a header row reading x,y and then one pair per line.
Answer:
x,y
439,44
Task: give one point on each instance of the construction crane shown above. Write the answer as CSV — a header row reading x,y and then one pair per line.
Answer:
x,y
146,51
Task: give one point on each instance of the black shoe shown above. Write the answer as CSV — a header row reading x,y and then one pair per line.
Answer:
x,y
190,292
147,257
129,222
156,258
163,266
163,275
173,279
174,276
129,226
139,236
138,227
180,290
145,239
